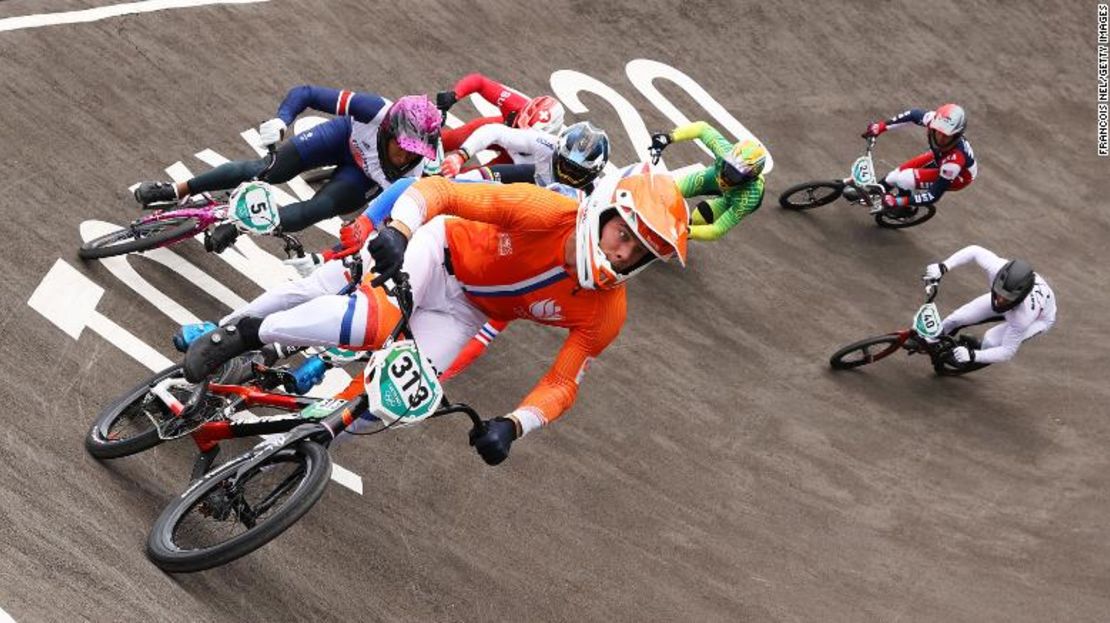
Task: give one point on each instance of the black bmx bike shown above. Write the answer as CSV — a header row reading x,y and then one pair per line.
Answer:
x,y
924,336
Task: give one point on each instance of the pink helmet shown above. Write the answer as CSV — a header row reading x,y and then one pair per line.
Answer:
x,y
414,121
543,113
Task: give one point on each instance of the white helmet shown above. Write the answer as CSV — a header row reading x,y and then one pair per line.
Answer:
x,y
950,121
655,211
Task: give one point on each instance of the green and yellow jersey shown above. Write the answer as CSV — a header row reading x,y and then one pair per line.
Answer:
x,y
713,218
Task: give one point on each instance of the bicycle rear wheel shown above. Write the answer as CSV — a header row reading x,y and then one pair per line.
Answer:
x,y
810,195
123,428
866,351
140,236
226,515
906,217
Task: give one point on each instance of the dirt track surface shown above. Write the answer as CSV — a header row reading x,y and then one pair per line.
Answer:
x,y
713,467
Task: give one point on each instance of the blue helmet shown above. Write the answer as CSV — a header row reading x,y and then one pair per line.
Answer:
x,y
580,155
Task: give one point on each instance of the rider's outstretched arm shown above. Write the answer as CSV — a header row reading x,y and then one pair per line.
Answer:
x,y
507,100
557,390
916,116
362,106
985,258
707,134
513,206
513,140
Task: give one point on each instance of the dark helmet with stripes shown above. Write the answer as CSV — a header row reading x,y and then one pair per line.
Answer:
x,y
1011,285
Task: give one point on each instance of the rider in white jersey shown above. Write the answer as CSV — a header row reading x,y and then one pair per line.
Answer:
x,y
573,158
1018,296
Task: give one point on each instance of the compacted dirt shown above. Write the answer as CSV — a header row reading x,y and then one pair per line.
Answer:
x,y
713,468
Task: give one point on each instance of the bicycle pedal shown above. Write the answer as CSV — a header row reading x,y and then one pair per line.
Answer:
x,y
270,378
220,238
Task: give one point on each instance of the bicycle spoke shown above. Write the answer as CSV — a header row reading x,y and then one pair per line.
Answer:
x,y
279,492
229,511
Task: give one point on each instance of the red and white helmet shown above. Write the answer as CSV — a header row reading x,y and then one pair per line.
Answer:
x,y
655,211
543,113
949,120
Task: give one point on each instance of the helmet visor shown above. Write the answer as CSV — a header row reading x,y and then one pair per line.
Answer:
x,y
573,174
414,139
1003,301
734,175
658,245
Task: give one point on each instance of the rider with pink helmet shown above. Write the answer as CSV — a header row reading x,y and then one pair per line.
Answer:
x,y
372,143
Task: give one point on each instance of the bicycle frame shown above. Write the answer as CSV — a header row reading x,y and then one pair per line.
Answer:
x,y
321,419
925,335
210,212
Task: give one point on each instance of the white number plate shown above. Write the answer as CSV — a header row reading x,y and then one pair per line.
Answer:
x,y
401,384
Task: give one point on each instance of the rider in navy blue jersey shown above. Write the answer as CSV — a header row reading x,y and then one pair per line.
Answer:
x,y
372,144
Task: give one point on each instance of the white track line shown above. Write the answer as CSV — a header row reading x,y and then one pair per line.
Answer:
x,y
7,618
104,12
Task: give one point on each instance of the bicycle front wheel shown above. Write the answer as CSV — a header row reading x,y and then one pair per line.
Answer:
x,y
810,195
140,236
866,351
226,515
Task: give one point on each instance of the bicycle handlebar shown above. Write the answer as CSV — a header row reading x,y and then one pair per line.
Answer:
x,y
271,150
932,286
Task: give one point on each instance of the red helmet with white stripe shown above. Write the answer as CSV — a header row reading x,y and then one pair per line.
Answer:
x,y
947,126
543,113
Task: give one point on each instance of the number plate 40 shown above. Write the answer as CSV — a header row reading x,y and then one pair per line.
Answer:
x,y
927,321
401,384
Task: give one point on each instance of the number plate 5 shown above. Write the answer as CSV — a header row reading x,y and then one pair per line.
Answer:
x,y
253,209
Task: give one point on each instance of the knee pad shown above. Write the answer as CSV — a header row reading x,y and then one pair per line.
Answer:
x,y
381,316
902,179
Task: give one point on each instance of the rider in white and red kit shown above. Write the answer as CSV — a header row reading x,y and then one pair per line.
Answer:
x,y
949,165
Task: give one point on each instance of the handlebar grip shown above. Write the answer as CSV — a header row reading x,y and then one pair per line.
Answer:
x,y
931,288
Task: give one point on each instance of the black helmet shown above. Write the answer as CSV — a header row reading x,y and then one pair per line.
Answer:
x,y
580,155
1011,285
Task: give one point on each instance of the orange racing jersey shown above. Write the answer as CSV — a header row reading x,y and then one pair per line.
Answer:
x,y
507,250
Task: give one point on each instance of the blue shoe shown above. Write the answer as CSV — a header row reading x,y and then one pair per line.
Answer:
x,y
188,333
